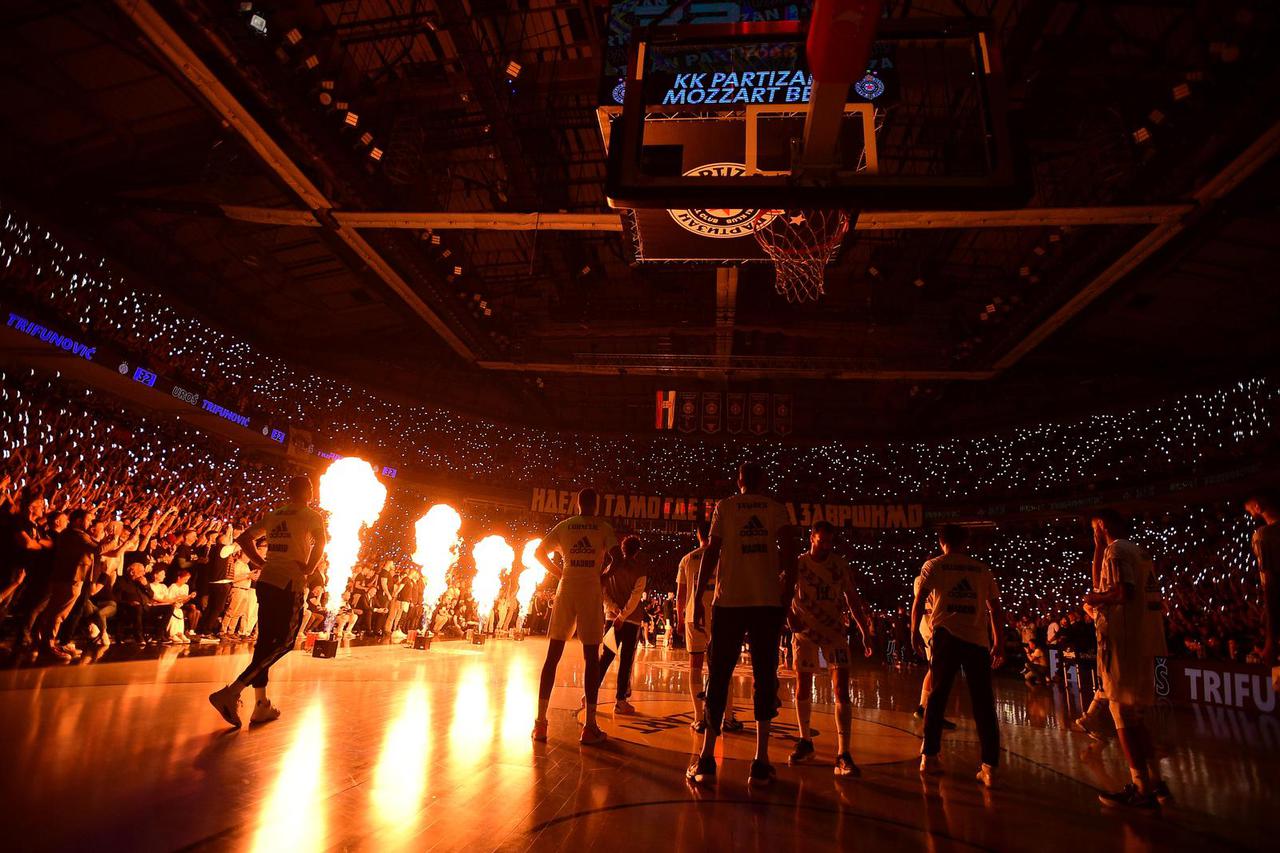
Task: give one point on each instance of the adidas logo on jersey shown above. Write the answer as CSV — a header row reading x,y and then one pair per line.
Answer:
x,y
754,527
280,529
582,546
962,590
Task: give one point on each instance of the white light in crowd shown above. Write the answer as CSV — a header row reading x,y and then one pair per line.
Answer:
x,y
531,575
436,551
353,497
493,556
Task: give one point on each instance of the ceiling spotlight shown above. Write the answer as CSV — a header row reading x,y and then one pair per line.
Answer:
x,y
457,270
513,69
375,154
1156,117
293,36
311,62
874,272
1024,270
446,253
435,239
326,99
327,85
341,105
258,23
366,138
1181,92
352,119
1141,135
919,282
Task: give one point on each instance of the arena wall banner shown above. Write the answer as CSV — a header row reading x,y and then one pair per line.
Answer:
x,y
758,414
1227,684
668,508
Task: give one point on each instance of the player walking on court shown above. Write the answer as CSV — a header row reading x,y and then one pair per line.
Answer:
x,y
752,556
295,543
824,587
1130,624
695,639
966,619
587,547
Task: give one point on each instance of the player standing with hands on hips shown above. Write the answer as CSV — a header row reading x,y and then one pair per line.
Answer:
x,y
295,544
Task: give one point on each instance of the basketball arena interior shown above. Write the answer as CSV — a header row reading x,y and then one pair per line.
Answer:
x,y
639,425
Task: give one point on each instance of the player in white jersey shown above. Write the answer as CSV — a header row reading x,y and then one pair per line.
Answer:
x,y
967,623
587,548
752,556
295,543
926,686
1265,542
824,588
695,639
1130,623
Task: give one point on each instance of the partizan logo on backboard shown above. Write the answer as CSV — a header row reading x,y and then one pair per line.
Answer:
x,y
719,222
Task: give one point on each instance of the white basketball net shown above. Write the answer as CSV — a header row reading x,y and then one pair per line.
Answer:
x,y
800,243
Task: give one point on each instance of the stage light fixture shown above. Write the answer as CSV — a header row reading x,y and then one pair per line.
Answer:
x,y
352,119
293,36
513,69
1142,135
366,138
258,23
457,270
326,99
327,85
1181,92
435,239
919,282
375,153
311,62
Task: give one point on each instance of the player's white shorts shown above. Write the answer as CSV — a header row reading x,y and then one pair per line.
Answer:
x,y
695,641
927,636
581,606
806,654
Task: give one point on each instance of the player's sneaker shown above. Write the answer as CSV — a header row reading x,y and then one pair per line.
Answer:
x,y
731,724
1130,797
1162,793
699,726
622,706
227,703
539,731
931,765
762,774
803,752
845,768
702,771
592,735
263,712
1082,724
987,775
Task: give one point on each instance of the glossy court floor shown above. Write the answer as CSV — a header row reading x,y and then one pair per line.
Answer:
x,y
386,748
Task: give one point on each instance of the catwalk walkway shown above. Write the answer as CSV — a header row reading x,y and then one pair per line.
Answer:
x,y
385,748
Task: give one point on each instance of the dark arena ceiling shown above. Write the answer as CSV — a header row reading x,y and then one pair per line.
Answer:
x,y
923,331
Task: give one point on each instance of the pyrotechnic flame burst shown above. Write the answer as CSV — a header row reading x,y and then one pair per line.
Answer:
x,y
436,551
531,576
493,556
351,493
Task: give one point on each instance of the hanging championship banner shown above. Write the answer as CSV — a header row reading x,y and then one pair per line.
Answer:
x,y
782,414
687,411
711,411
664,413
758,414
735,406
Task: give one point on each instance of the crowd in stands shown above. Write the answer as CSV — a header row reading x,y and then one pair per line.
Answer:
x,y
1196,433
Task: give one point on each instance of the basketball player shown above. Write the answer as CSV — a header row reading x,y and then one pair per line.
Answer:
x,y
623,603
295,543
751,554
1130,620
966,622
587,547
695,641
824,587
1266,548
926,686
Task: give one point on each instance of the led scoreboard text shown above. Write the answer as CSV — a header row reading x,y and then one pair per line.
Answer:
x,y
747,87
